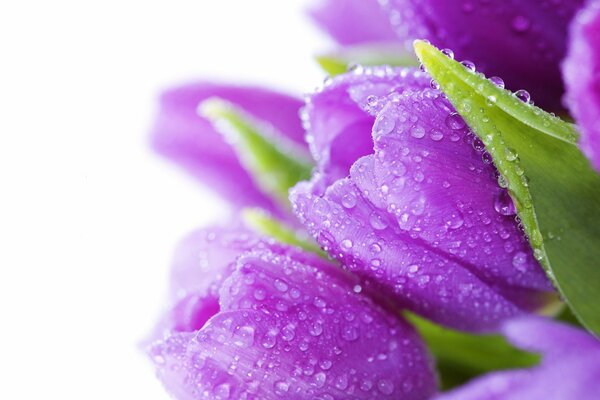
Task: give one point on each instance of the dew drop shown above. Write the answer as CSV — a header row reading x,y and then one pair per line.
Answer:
x,y
448,53
222,391
281,387
269,340
417,132
496,80
384,125
519,261
349,333
320,379
349,200
468,65
288,332
280,285
377,221
503,204
347,244
510,154
436,135
385,386
455,121
523,95
375,248
244,336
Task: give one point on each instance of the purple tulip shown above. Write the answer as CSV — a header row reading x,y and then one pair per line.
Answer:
x,y
570,367
183,136
286,324
523,41
581,71
354,21
406,197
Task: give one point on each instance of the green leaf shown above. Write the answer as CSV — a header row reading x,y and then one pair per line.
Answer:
x,y
555,190
275,163
337,62
258,220
462,356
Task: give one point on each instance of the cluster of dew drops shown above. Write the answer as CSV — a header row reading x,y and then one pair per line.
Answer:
x,y
504,204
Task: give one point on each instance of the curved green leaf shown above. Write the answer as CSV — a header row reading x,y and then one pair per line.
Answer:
x,y
393,54
275,163
555,190
461,356
261,222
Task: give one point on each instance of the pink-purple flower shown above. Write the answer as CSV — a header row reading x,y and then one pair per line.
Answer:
x,y
406,197
406,205
255,319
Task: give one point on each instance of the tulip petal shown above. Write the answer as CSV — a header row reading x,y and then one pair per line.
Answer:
x,y
521,41
202,261
425,218
291,324
181,135
353,21
570,366
581,71
339,128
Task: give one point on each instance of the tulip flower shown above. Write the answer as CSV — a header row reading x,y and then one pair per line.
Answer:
x,y
521,41
285,323
406,197
193,142
581,71
569,370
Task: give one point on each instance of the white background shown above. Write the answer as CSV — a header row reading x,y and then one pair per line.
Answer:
x,y
88,215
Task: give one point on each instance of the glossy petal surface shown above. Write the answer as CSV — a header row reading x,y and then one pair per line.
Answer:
x,y
570,366
202,261
353,21
339,127
292,325
425,218
581,71
181,135
522,41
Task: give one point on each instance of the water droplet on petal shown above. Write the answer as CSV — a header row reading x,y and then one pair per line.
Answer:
x,y
417,132
384,125
244,336
378,221
519,261
503,204
455,121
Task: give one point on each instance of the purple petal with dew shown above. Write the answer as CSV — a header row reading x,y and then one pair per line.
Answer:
x,y
291,324
353,21
338,128
569,370
191,141
202,261
581,71
424,218
521,41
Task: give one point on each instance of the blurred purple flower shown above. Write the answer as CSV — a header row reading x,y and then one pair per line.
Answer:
x,y
581,71
267,320
570,367
353,21
406,197
523,41
181,135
